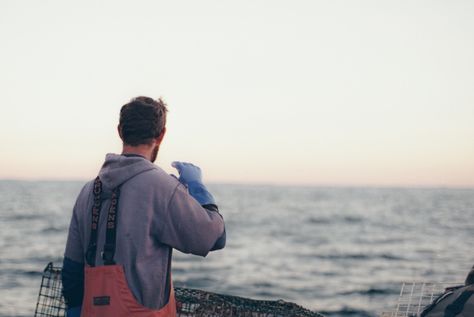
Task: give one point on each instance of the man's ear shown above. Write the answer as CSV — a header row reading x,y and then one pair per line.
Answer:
x,y
161,136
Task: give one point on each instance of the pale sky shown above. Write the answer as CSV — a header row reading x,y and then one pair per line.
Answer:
x,y
281,92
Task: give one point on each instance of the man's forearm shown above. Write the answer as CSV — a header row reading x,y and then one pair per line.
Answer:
x,y
73,282
220,243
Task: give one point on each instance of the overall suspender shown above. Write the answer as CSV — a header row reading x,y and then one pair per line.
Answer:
x,y
111,231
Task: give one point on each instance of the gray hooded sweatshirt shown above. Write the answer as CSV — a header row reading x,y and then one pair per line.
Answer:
x,y
155,214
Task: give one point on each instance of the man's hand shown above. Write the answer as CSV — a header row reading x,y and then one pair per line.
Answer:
x,y
191,176
188,173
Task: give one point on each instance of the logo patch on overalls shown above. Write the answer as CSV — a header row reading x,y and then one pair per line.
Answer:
x,y
102,301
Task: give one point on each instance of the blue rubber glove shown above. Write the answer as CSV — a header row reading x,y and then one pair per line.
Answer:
x,y
190,175
73,312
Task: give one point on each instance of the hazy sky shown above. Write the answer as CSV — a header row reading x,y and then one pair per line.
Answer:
x,y
286,92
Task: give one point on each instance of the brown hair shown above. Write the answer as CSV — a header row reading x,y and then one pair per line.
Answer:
x,y
142,120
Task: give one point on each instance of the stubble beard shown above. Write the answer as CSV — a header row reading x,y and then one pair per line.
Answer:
x,y
154,154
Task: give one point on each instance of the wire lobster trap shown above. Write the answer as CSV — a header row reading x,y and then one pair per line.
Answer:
x,y
50,299
415,296
189,302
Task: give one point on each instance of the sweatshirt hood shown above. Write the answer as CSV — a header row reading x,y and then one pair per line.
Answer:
x,y
117,169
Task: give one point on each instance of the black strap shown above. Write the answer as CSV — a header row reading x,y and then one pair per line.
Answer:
x,y
92,247
168,277
456,307
111,231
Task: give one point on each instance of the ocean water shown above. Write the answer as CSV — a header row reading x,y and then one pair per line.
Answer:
x,y
340,251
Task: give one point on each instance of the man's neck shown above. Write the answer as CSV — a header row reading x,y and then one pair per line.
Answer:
x,y
142,150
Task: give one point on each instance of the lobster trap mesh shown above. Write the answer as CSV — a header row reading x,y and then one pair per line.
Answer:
x,y
189,302
50,301
415,296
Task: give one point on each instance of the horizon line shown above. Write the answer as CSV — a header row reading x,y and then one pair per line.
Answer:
x,y
274,184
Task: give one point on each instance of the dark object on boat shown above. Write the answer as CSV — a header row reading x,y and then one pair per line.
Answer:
x,y
454,302
190,302
470,277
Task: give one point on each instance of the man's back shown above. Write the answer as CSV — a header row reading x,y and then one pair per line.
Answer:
x,y
155,213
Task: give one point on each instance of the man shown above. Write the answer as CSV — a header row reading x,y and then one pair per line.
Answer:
x,y
126,222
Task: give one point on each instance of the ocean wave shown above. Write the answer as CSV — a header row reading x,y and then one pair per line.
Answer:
x,y
359,256
371,292
347,312
335,219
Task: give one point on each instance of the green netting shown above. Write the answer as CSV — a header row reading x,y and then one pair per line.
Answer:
x,y
190,302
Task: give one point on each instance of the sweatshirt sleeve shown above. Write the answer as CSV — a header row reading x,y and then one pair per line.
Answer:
x,y
74,244
189,227
220,243
72,274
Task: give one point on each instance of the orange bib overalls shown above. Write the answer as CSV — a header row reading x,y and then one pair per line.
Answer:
x,y
106,292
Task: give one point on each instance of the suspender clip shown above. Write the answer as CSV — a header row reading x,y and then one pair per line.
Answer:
x,y
108,254
90,254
